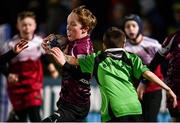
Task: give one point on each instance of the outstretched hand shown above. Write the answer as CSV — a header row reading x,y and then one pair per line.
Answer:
x,y
46,41
21,45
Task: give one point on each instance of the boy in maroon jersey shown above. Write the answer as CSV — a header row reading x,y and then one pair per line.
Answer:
x,y
74,101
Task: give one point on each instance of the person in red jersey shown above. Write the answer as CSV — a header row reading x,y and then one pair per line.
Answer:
x,y
25,78
21,45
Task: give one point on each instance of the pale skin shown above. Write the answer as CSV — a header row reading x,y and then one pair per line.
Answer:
x,y
20,46
61,59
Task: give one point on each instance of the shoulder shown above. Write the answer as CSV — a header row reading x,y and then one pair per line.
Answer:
x,y
150,40
38,37
83,47
131,55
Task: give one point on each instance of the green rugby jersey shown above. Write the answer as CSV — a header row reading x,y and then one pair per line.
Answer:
x,y
115,77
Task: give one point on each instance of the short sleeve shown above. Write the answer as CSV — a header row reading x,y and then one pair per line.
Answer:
x,y
87,63
138,67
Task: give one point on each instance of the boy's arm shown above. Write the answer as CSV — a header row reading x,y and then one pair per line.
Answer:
x,y
61,58
7,57
47,60
21,45
152,77
158,59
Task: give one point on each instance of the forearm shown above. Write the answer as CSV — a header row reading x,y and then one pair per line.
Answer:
x,y
7,57
4,70
71,60
153,78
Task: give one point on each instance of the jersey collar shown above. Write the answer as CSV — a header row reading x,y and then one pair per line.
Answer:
x,y
114,49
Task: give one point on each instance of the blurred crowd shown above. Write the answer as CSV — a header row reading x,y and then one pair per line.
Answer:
x,y
160,16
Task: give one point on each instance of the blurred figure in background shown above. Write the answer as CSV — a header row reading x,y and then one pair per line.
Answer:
x,y
175,25
171,50
145,48
118,11
25,78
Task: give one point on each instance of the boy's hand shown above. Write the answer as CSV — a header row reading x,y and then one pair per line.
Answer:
x,y
12,78
140,90
172,98
45,44
48,38
45,47
21,45
58,55
53,71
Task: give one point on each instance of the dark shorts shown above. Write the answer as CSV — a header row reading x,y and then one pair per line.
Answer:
x,y
68,113
150,105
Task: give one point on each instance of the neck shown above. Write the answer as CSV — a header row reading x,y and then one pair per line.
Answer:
x,y
27,37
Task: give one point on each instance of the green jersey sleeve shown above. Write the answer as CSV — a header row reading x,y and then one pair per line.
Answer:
x,y
138,67
87,63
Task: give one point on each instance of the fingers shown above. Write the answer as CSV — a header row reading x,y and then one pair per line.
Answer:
x,y
12,78
57,52
45,47
49,38
21,45
172,98
58,55
46,41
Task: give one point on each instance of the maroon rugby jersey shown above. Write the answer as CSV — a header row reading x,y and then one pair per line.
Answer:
x,y
171,50
76,90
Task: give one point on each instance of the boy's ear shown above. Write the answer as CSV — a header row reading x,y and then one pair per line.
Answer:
x,y
85,29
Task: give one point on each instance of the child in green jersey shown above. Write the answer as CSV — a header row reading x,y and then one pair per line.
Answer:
x,y
115,71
